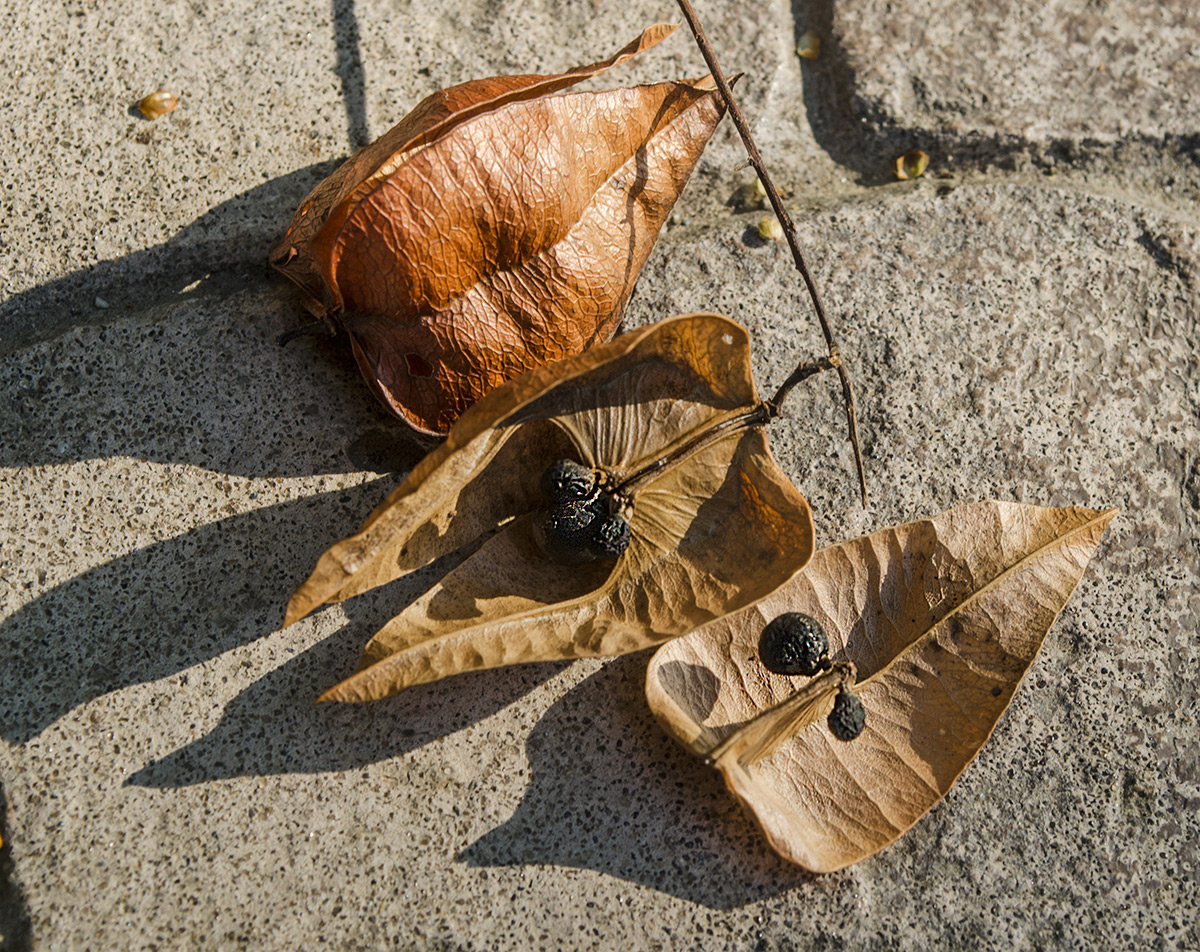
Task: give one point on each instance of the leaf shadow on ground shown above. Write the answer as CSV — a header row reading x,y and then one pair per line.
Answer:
x,y
204,383
14,909
170,606
610,792
233,236
165,607
220,253
274,727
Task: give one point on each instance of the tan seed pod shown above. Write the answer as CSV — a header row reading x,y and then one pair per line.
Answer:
x,y
912,164
769,228
158,104
809,46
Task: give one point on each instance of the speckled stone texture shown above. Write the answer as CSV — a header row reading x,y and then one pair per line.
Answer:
x,y
1022,324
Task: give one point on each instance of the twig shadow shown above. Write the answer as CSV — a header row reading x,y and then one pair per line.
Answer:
x,y
203,384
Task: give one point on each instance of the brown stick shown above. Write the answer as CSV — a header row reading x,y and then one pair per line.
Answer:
x,y
789,232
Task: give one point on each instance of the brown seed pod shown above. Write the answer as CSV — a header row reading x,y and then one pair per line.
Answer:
x,y
496,228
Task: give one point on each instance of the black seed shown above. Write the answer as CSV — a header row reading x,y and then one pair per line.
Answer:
x,y
610,536
564,530
848,716
565,479
794,643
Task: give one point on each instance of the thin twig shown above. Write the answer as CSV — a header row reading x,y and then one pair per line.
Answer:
x,y
705,437
789,232
802,372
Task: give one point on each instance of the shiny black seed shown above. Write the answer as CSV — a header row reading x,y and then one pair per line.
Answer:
x,y
794,643
565,479
610,536
848,716
564,530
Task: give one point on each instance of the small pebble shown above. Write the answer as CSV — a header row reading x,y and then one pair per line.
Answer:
x,y
100,302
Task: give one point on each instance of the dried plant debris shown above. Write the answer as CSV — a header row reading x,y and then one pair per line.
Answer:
x,y
157,104
912,164
596,506
941,618
769,228
809,46
496,228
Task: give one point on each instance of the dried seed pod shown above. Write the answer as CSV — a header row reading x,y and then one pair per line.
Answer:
x,y
769,228
500,226
157,104
912,164
940,617
668,415
809,46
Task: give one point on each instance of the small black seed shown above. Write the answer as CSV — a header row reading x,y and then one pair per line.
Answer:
x,y
610,536
848,716
565,479
564,530
794,643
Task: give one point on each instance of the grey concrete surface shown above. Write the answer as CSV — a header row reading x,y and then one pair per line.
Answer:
x,y
1022,324
1057,69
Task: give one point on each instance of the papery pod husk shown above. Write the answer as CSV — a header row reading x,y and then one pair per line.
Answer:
x,y
496,228
710,535
942,618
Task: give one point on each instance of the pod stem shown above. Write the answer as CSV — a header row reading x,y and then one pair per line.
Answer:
x,y
304,330
789,231
761,736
